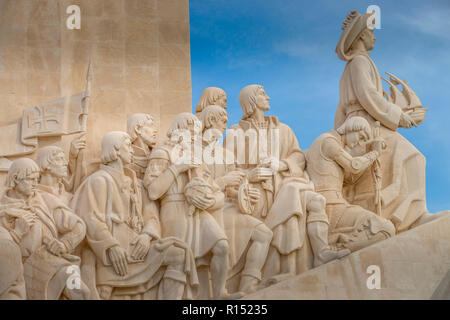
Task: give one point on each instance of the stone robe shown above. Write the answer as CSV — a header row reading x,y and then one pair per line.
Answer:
x,y
403,166
111,205
197,228
12,283
45,274
238,226
282,205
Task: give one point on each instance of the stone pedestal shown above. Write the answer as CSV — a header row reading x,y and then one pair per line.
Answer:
x,y
413,265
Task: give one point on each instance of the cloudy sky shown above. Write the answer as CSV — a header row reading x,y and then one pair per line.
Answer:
x,y
288,47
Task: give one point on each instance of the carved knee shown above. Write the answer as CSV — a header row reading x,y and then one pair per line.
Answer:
x,y
316,203
174,256
316,209
262,233
221,248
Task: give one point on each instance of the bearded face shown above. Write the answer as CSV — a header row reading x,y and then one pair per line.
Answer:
x,y
58,166
149,134
262,100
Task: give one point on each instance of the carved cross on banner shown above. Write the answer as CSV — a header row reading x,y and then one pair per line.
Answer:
x,y
41,120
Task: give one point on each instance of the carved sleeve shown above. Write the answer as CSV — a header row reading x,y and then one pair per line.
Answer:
x,y
70,226
353,165
158,178
295,161
369,97
93,211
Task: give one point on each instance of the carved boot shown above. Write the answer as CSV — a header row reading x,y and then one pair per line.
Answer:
x,y
248,284
318,236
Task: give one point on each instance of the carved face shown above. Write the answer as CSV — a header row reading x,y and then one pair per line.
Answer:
x,y
353,139
126,152
195,130
262,100
220,124
368,39
148,133
58,166
27,186
222,101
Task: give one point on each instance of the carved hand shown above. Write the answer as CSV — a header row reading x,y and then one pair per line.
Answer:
x,y
254,195
118,257
234,178
260,174
406,121
378,145
203,201
142,245
24,223
77,144
418,115
56,247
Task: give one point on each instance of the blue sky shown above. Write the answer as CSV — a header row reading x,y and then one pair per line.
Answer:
x,y
288,47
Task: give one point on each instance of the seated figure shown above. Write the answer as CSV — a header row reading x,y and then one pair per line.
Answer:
x,y
329,164
12,283
268,151
47,233
132,260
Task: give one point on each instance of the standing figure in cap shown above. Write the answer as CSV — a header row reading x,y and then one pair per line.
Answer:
x,y
401,196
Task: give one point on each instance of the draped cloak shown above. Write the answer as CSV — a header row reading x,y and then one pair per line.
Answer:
x,y
402,165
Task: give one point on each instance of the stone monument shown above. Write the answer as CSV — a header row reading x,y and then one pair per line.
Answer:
x,y
115,190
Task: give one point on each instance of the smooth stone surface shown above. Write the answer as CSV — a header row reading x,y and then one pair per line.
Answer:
x,y
412,264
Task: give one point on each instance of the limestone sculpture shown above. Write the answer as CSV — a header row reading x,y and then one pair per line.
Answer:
x,y
58,176
243,230
166,179
47,232
192,218
288,204
132,260
328,164
143,130
402,192
211,96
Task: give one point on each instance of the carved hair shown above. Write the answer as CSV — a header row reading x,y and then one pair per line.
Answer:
x,y
210,113
247,99
182,122
355,124
111,143
45,156
138,120
209,97
20,169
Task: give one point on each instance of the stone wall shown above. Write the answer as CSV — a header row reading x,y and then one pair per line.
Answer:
x,y
139,51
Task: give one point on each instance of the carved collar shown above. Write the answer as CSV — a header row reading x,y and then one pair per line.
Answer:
x,y
271,121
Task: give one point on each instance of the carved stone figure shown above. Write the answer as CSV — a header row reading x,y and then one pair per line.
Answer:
x,y
12,283
211,96
143,130
244,232
132,260
57,175
47,232
166,178
328,164
288,204
402,193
